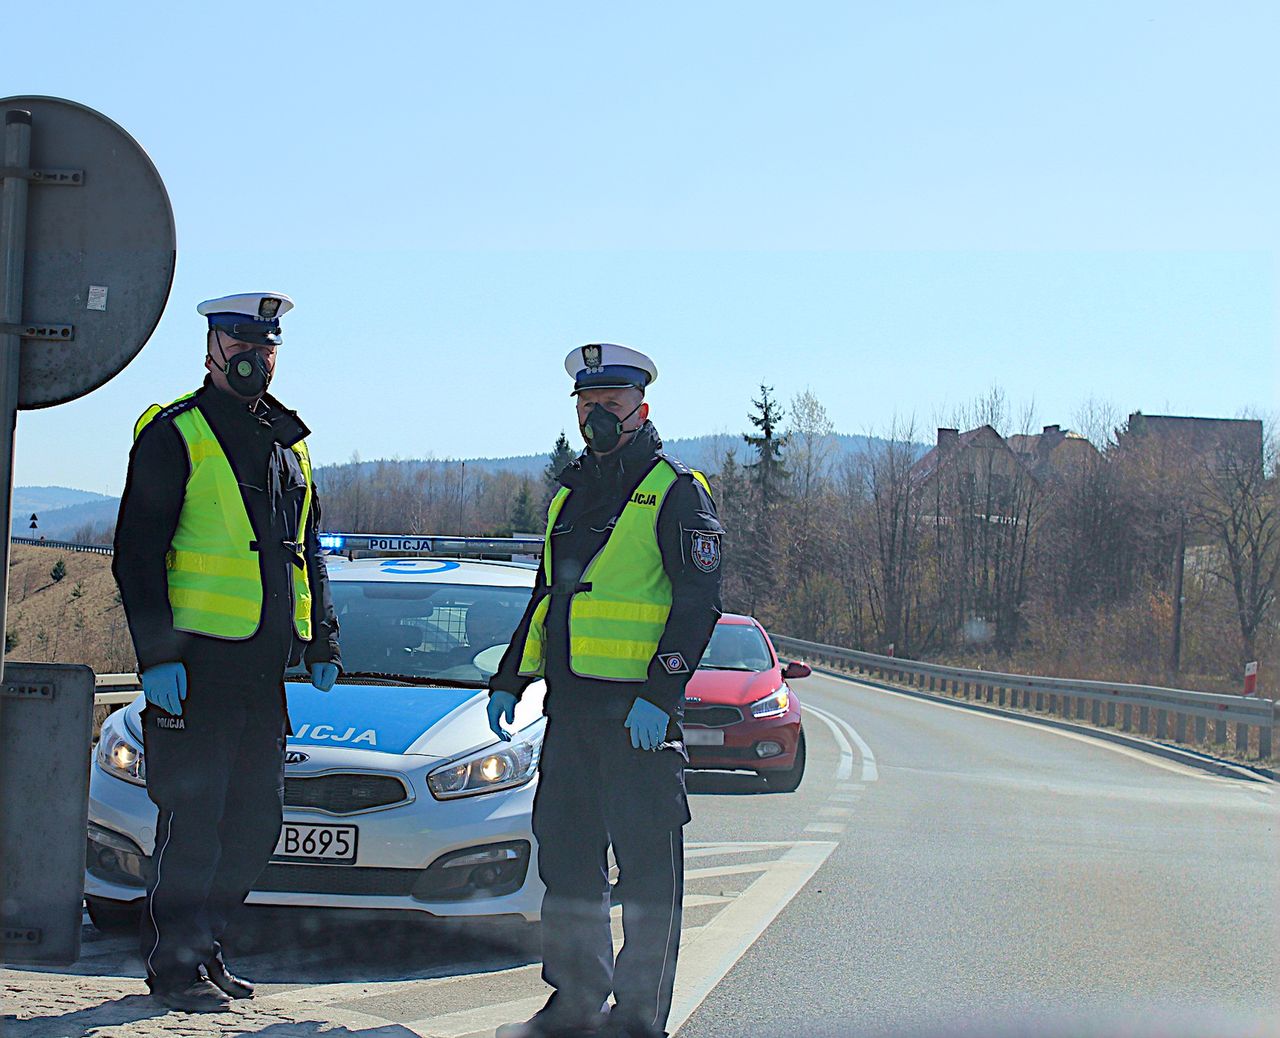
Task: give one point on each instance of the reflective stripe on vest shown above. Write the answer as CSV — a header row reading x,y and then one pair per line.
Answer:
x,y
215,578
614,628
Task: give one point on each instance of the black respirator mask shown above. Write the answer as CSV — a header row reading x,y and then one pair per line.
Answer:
x,y
247,373
603,429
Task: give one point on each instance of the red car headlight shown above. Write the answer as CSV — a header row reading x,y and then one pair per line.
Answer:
x,y
774,705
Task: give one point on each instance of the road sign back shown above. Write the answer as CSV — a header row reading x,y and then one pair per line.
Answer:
x,y
100,251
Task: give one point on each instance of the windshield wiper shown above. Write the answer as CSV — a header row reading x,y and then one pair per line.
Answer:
x,y
714,666
413,679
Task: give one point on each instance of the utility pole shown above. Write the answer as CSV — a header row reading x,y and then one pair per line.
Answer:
x,y
1179,564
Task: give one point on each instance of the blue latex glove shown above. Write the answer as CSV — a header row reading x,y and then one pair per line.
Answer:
x,y
323,675
165,686
648,725
501,704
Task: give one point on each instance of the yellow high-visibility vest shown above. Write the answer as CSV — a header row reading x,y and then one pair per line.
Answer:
x,y
215,578
614,627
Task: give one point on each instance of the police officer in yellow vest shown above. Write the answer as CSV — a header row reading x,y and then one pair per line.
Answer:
x,y
625,601
224,587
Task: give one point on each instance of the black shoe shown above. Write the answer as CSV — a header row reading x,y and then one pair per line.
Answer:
x,y
228,982
197,997
618,1026
553,1022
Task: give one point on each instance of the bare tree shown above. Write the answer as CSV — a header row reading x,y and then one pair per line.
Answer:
x,y
1238,504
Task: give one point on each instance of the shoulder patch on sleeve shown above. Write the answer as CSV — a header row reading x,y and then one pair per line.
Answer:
x,y
673,663
704,549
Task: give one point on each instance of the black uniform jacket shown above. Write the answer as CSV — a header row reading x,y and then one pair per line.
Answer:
x,y
600,486
256,439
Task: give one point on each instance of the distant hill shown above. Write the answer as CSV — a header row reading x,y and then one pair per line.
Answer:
x,y
63,512
703,452
69,514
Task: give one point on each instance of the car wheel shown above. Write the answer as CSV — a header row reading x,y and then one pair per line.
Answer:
x,y
113,916
787,781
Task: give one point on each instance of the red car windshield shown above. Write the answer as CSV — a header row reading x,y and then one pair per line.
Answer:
x,y
736,647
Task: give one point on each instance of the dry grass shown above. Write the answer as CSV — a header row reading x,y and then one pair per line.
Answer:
x,y
77,619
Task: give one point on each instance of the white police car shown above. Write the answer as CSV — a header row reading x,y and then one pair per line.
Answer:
x,y
397,795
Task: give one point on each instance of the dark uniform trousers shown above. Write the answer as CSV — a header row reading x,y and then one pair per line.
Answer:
x,y
595,789
216,776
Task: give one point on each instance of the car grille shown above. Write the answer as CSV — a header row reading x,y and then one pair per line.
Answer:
x,y
329,879
712,716
344,793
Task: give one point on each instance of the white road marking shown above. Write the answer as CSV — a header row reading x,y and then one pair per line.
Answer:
x,y
870,773
1124,751
737,919
726,870
825,827
483,1019
714,850
706,958
835,812
845,798
845,767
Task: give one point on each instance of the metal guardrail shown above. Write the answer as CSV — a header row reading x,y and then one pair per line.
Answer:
x,y
115,689
1106,703
97,549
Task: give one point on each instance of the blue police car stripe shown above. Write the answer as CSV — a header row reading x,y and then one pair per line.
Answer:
x,y
385,718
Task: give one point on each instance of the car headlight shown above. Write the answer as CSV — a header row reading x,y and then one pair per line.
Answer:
x,y
120,756
503,765
772,706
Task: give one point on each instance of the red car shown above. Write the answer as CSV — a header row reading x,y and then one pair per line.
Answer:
x,y
740,713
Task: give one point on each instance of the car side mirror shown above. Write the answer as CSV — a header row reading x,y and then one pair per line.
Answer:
x,y
796,669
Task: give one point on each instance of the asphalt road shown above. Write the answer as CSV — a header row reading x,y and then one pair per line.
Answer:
x,y
939,872
999,877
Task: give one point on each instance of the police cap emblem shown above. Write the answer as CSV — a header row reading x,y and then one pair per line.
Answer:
x,y
591,357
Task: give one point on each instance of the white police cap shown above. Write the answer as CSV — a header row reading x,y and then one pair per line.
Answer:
x,y
606,365
249,317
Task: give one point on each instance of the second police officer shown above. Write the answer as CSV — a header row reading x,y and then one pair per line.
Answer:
x,y
224,587
621,613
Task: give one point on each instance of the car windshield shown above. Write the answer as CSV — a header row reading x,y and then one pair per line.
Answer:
x,y
736,647
450,632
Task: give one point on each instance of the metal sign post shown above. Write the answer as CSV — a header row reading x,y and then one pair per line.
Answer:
x,y
13,245
87,243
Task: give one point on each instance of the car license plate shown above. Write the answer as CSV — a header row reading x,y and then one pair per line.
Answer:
x,y
335,844
703,737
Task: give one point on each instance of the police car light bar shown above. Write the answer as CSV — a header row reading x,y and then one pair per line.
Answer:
x,y
414,545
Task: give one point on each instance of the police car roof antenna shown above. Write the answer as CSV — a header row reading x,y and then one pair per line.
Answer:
x,y
96,260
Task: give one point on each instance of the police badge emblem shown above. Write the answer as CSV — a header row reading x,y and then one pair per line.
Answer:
x,y
673,663
591,357
705,550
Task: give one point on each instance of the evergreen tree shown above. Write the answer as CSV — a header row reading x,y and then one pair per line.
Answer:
x,y
523,519
560,456
767,477
768,473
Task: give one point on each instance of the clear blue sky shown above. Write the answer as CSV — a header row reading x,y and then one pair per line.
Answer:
x,y
895,205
